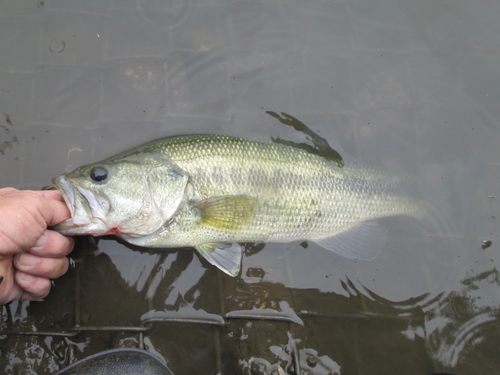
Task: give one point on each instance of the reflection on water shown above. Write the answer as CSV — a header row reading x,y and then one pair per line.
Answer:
x,y
398,84
306,359
164,15
247,326
466,323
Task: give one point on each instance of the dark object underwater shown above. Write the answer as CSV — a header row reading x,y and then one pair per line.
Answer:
x,y
118,362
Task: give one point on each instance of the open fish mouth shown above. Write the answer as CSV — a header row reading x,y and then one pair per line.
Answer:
x,y
88,213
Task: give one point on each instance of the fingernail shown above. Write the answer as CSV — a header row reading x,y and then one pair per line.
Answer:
x,y
25,277
40,243
28,260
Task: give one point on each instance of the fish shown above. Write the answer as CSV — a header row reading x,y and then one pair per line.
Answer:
x,y
216,192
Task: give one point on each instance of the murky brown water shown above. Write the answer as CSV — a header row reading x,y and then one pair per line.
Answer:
x,y
399,84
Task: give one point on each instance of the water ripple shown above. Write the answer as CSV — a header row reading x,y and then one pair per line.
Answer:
x,y
165,15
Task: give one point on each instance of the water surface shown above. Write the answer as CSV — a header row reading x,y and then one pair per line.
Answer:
x,y
402,85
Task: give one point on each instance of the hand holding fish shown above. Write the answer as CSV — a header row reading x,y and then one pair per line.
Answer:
x,y
31,255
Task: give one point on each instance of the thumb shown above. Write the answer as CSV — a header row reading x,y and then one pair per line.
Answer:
x,y
57,209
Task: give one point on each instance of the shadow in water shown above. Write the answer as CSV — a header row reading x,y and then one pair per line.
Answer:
x,y
197,320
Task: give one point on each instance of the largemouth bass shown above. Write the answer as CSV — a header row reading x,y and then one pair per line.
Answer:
x,y
213,192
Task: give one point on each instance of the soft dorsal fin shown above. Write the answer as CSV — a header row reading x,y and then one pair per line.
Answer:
x,y
363,241
230,212
225,256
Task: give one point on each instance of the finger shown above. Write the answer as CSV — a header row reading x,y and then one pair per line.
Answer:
x,y
33,287
32,210
8,191
50,268
51,194
52,245
52,208
7,290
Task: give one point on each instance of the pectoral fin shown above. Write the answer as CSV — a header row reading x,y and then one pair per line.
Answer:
x,y
232,212
224,256
364,241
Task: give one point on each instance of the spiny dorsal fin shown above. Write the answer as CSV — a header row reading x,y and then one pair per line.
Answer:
x,y
231,212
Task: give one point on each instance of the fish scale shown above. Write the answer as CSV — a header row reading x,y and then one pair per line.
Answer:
x,y
222,190
286,181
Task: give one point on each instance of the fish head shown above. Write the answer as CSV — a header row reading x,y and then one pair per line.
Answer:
x,y
132,194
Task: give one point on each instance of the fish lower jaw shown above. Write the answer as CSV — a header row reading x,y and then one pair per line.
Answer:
x,y
94,228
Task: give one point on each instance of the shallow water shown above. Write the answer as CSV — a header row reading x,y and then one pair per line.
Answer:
x,y
409,85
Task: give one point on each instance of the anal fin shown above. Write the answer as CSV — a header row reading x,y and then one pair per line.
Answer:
x,y
363,241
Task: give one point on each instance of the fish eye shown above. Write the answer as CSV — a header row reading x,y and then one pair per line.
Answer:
x,y
98,174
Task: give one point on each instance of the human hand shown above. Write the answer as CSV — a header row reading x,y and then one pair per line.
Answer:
x,y
31,255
